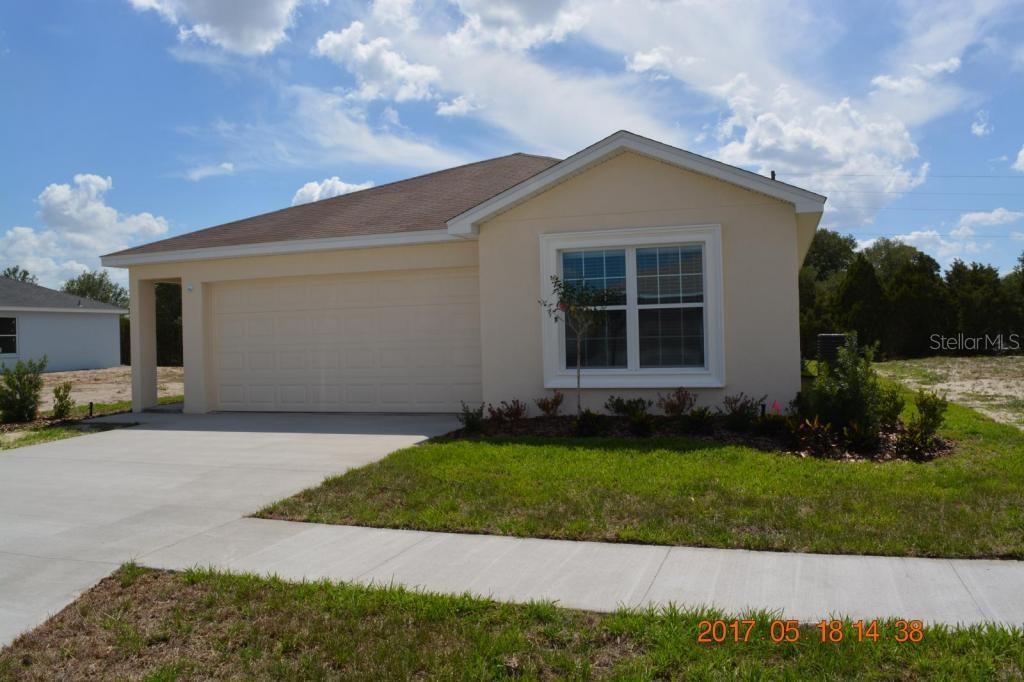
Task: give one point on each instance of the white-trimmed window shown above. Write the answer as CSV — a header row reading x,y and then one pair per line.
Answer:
x,y
8,335
665,329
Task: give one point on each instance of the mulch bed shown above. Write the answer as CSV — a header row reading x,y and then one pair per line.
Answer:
x,y
769,438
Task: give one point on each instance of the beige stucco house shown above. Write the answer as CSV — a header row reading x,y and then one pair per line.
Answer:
x,y
420,294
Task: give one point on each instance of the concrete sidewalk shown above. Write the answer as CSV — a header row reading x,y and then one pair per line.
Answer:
x,y
604,576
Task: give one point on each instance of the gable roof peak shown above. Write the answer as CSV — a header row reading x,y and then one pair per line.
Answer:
x,y
468,222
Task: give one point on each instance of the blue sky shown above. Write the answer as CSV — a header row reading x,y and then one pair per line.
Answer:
x,y
124,121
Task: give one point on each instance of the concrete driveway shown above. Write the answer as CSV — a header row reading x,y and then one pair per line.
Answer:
x,y
74,510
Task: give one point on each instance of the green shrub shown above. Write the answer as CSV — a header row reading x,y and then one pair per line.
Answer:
x,y
931,412
849,397
636,410
861,439
471,418
699,420
510,413
890,407
918,440
589,423
21,388
549,406
677,403
624,407
815,437
63,403
773,425
741,411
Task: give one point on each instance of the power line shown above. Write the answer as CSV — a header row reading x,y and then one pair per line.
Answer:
x,y
932,233
911,192
929,176
920,208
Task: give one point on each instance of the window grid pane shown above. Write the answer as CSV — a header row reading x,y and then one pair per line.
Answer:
x,y
671,337
603,347
601,270
669,274
8,344
671,278
8,325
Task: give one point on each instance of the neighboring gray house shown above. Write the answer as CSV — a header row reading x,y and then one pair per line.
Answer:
x,y
72,332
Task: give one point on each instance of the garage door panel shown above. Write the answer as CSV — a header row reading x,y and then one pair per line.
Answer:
x,y
369,342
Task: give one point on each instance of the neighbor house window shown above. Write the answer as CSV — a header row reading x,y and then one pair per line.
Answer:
x,y
8,335
663,324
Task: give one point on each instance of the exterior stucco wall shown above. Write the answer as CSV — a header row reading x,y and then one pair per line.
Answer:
x,y
201,275
761,257
70,341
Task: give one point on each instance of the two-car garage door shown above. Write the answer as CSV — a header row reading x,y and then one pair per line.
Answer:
x,y
379,342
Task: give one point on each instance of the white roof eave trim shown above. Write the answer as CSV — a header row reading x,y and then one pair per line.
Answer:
x,y
280,248
468,223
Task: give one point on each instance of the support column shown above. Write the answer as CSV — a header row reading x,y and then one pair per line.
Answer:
x,y
194,309
142,305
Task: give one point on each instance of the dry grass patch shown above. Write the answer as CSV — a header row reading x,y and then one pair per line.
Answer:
x,y
992,385
112,385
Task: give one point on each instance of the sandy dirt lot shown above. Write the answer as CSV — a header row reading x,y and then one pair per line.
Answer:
x,y
109,385
992,385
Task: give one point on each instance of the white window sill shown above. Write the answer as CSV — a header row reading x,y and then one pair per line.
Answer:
x,y
637,380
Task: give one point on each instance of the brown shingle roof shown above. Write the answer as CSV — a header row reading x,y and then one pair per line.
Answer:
x,y
424,202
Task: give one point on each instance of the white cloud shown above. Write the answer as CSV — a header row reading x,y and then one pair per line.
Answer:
x,y
918,81
251,27
540,107
515,24
945,250
998,216
980,126
324,130
200,172
951,65
1019,163
381,71
395,12
390,117
769,117
1019,236
77,226
906,85
834,147
460,106
661,60
338,131
327,188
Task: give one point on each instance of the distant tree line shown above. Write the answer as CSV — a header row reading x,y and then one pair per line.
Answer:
x,y
98,286
894,295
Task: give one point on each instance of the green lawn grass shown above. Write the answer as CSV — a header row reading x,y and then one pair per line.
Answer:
x,y
689,492
44,434
156,625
